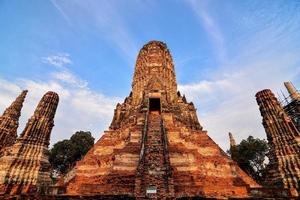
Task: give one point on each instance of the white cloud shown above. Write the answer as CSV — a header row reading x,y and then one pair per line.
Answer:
x,y
7,89
264,57
58,60
79,108
67,77
228,104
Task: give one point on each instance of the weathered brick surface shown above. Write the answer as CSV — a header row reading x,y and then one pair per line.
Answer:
x,y
9,122
284,142
24,167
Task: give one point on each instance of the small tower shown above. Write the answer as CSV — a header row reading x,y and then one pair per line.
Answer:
x,y
284,142
232,140
232,149
24,167
9,122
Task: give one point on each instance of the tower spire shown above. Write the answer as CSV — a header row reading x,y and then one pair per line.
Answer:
x,y
43,117
9,121
154,71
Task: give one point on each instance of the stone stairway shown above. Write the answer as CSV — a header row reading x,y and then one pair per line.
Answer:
x,y
154,168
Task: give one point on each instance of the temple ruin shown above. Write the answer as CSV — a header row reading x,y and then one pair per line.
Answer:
x,y
24,167
284,141
155,148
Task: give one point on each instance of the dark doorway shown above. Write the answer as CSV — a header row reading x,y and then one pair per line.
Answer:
x,y
154,104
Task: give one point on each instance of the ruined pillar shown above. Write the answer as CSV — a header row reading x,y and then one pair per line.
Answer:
x,y
284,140
9,122
231,140
292,91
292,108
24,167
233,148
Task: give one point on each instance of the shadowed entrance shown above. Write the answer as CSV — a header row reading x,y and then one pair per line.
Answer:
x,y
154,104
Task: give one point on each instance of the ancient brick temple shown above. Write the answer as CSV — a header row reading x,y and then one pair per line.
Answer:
x,y
24,167
284,142
9,122
155,146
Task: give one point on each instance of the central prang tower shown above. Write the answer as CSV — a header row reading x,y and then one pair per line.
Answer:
x,y
155,146
154,71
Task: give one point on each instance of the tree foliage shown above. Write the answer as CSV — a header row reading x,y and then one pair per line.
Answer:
x,y
250,155
64,154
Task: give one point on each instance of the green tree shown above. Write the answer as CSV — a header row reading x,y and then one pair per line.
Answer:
x,y
64,154
250,155
82,142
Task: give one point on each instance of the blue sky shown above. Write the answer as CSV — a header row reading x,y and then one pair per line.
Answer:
x,y
224,52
